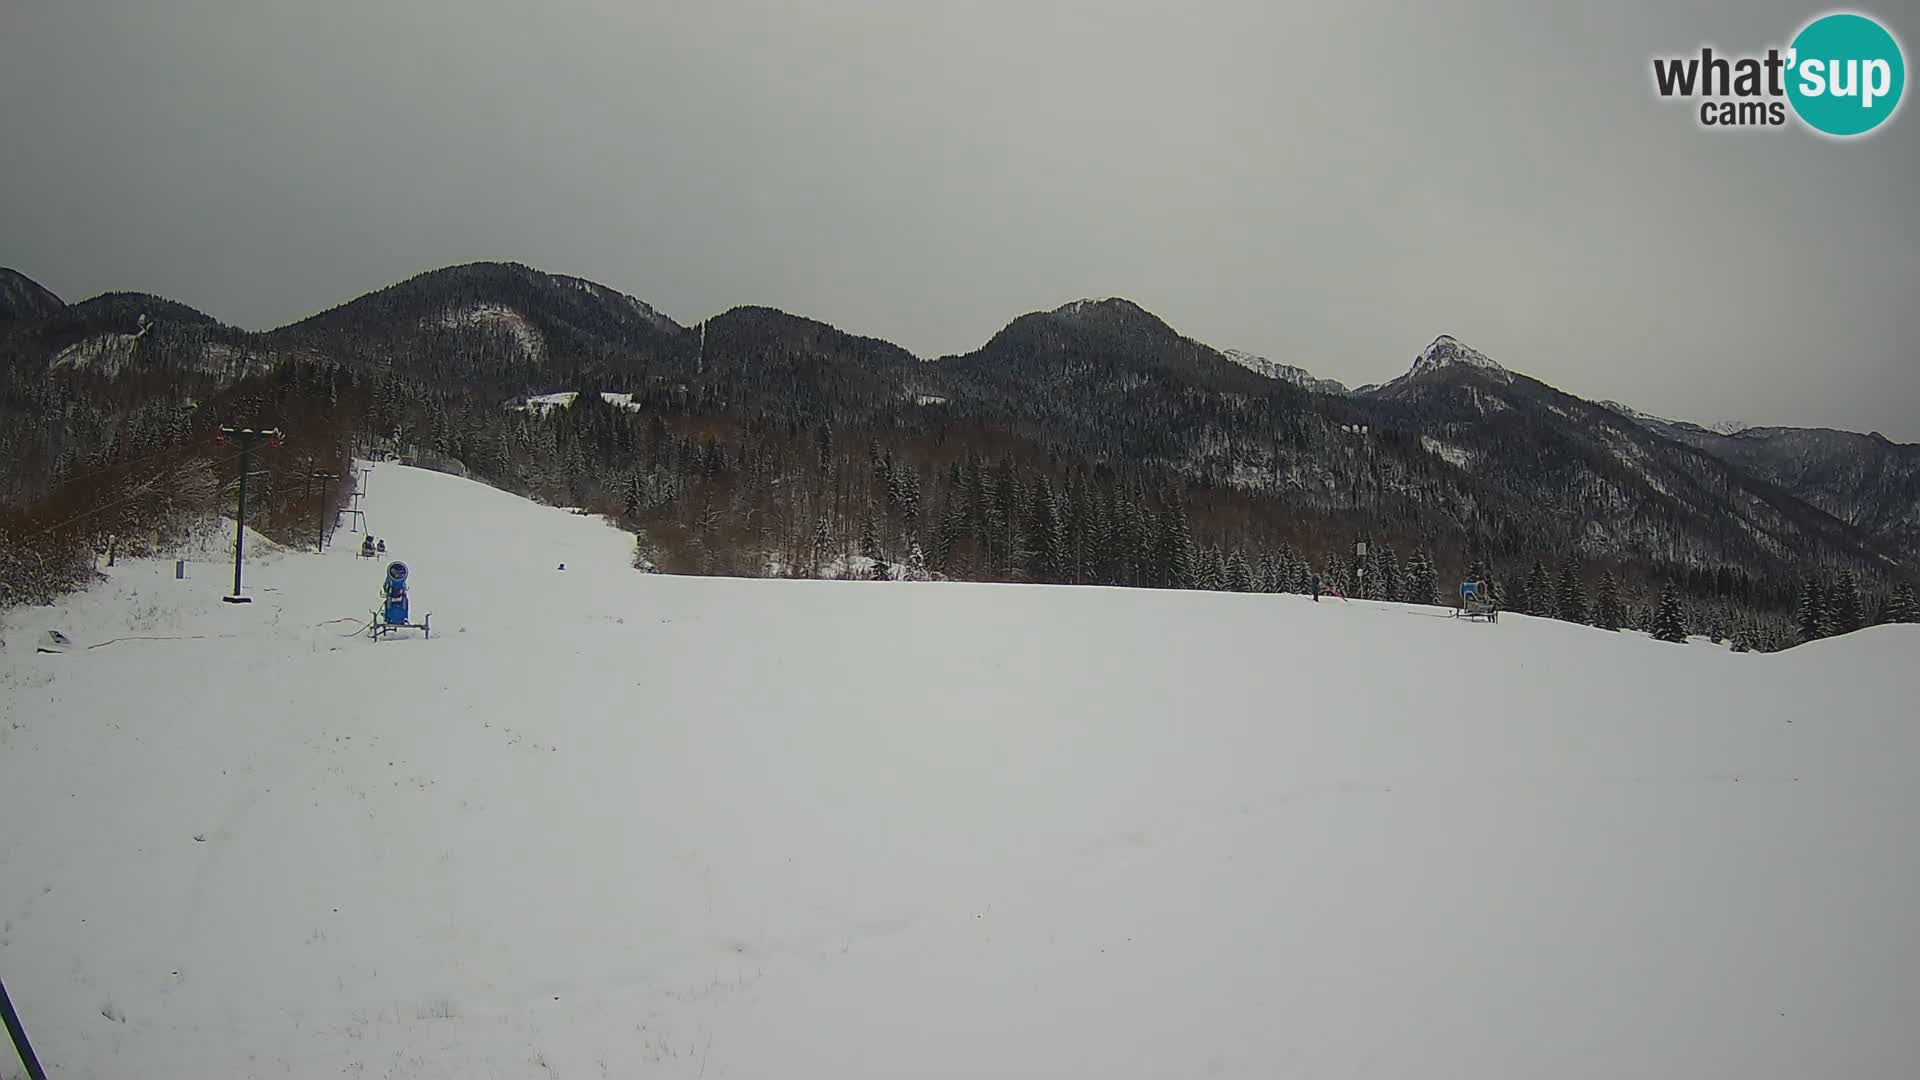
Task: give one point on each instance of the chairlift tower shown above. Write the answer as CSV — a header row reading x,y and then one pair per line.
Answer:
x,y
1361,433
247,439
357,517
320,533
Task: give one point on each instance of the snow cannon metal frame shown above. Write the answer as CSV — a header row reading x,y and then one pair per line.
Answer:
x,y
1476,602
391,616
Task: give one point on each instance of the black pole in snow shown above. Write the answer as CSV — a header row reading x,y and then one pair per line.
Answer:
x,y
19,1035
247,438
326,485
240,526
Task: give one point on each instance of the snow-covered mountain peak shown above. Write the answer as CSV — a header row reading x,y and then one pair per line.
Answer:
x,y
1632,413
1447,351
1287,373
1107,304
1718,427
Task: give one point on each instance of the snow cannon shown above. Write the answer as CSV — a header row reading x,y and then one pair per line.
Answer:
x,y
1476,602
394,592
391,616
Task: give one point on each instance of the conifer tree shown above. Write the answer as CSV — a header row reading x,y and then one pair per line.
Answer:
x,y
1239,574
1294,571
1843,605
1042,541
1174,567
1383,576
1421,584
1539,595
1669,624
822,541
1135,562
1004,518
1812,614
823,445
946,541
1213,570
631,500
1267,578
1573,592
1334,577
1901,606
907,498
1482,572
1077,525
870,547
1104,547
1606,611
916,562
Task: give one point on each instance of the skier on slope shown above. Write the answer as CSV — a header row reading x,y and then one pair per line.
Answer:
x,y
1316,587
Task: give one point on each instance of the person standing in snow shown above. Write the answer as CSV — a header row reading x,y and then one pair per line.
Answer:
x,y
1316,587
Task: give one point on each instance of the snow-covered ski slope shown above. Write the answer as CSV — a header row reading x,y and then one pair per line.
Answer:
x,y
607,824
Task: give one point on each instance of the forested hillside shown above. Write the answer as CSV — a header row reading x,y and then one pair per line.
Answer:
x,y
1090,444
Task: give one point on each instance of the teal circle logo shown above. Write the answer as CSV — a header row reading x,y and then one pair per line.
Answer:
x,y
1845,74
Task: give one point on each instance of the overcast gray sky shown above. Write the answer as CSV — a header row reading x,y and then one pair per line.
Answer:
x,y
1328,184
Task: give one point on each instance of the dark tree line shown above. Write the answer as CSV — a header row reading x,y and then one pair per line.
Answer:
x,y
770,495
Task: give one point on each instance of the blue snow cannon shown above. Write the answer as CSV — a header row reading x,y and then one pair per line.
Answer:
x,y
395,593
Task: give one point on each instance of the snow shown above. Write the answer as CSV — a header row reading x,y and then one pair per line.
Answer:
x,y
1632,413
544,403
929,399
1457,456
1078,307
109,354
106,354
607,823
1634,457
1718,427
1445,351
524,333
1288,373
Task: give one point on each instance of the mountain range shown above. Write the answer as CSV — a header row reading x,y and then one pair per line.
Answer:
x,y
1458,445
